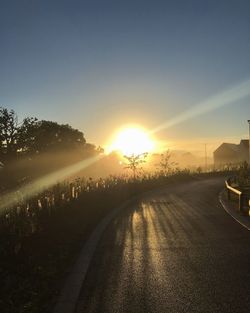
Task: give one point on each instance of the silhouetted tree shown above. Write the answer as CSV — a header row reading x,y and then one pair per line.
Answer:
x,y
8,133
52,136
45,136
199,169
90,149
134,161
34,137
26,139
166,164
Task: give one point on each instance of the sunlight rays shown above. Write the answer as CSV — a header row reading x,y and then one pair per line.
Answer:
x,y
129,141
29,190
215,102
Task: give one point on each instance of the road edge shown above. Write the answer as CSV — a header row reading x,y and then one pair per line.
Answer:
x,y
231,211
69,295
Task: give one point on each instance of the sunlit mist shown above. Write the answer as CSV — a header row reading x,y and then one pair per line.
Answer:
x,y
30,190
132,140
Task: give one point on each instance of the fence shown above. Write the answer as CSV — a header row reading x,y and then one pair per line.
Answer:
x,y
243,198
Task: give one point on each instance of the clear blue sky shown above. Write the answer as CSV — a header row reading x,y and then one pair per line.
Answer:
x,y
100,64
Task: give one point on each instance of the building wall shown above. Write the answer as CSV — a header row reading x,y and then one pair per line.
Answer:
x,y
244,151
226,157
231,153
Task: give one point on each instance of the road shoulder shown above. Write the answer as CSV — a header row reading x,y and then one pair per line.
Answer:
x,y
233,211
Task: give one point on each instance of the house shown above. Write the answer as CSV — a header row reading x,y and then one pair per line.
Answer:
x,y
230,153
244,149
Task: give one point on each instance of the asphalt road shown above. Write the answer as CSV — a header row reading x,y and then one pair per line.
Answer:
x,y
176,251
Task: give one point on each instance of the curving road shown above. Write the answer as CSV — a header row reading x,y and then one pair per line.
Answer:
x,y
175,251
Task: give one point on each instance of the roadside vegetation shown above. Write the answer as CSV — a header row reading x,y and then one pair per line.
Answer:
x,y
243,177
240,177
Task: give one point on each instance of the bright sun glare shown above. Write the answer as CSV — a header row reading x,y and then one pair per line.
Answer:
x,y
132,140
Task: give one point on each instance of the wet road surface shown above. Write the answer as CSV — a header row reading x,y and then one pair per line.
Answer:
x,y
176,251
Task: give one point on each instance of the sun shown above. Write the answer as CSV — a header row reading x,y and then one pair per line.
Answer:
x,y
132,141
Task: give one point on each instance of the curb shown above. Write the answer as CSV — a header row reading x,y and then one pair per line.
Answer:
x,y
242,220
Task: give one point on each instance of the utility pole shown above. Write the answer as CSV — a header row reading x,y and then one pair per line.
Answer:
x,y
206,157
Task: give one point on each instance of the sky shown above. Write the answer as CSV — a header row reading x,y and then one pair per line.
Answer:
x,y
98,65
